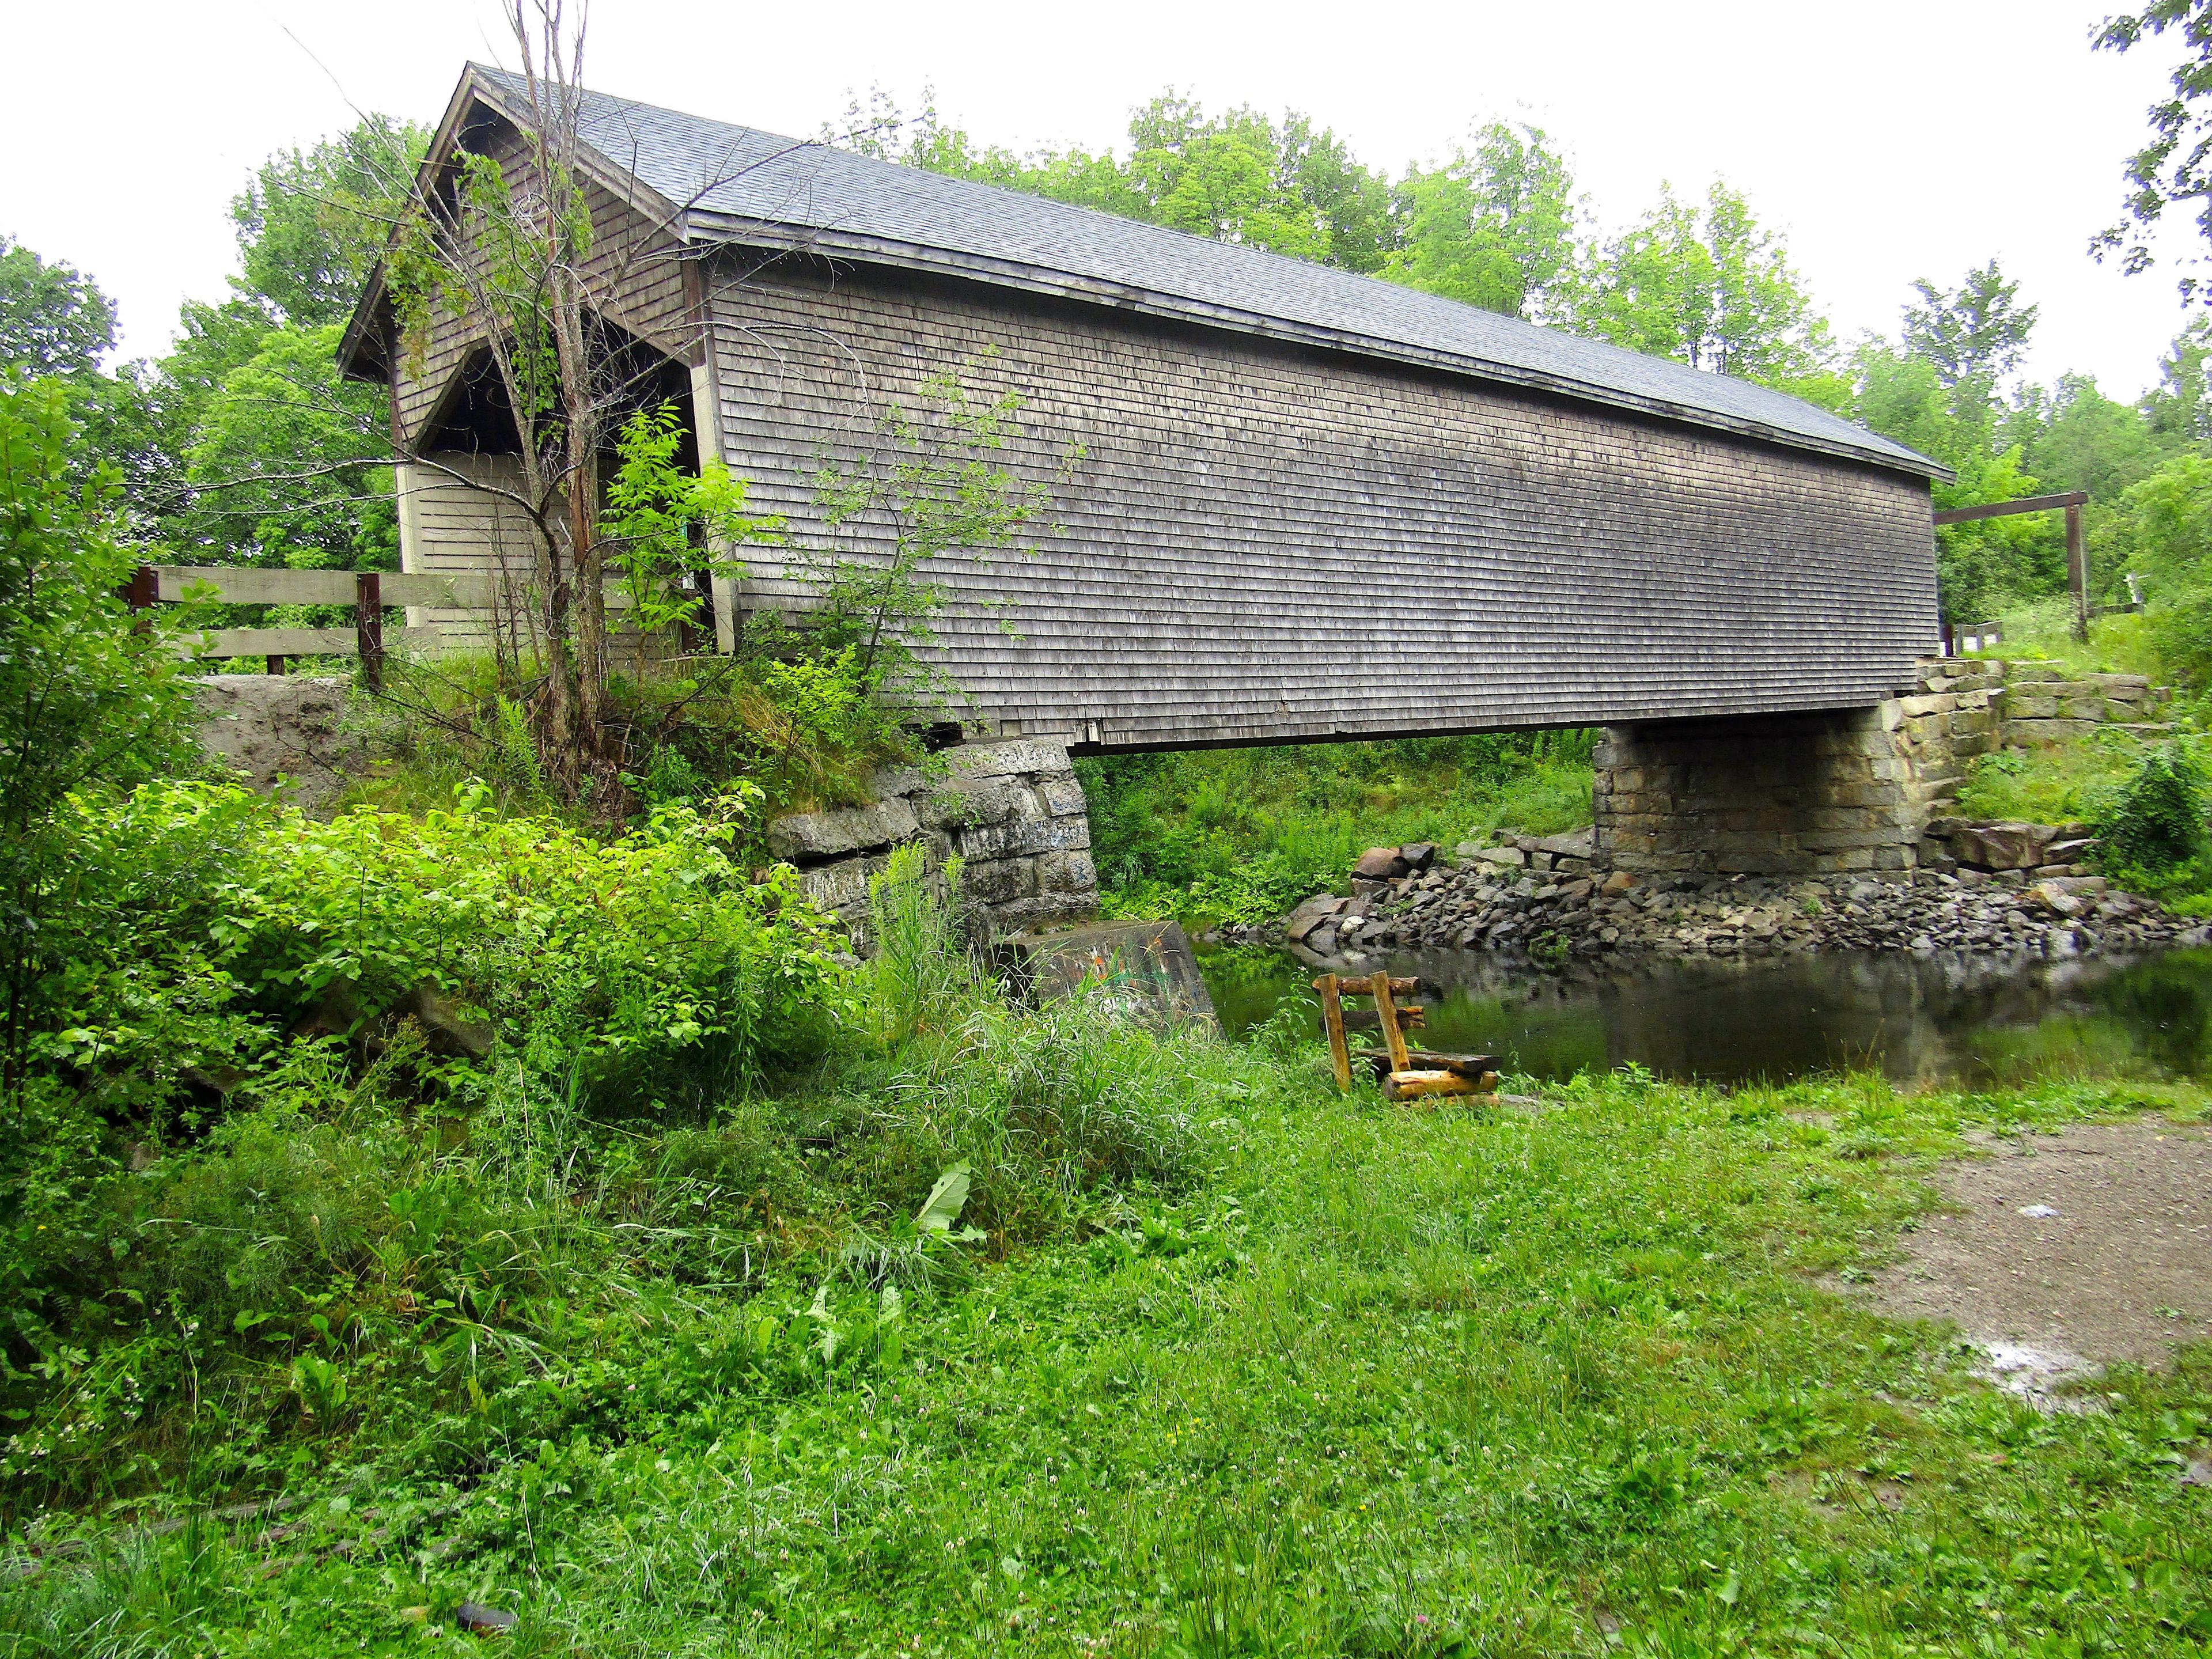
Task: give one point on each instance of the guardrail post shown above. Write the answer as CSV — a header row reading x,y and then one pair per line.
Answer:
x,y
368,627
141,592
276,666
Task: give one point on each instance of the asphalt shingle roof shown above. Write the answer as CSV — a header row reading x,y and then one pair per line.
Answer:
x,y
737,184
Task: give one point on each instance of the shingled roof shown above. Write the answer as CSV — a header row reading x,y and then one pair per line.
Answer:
x,y
735,183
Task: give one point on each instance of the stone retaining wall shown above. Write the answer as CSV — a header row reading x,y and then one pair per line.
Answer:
x,y
1012,811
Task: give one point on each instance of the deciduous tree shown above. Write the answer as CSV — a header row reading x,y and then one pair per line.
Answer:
x,y
1494,227
2174,167
1707,284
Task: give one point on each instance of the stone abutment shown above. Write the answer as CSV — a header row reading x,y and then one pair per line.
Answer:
x,y
1839,792
1012,811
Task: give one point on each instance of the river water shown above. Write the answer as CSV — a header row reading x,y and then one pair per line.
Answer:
x,y
1974,1021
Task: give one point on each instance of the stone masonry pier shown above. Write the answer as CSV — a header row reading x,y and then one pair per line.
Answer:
x,y
1842,792
1780,794
1011,811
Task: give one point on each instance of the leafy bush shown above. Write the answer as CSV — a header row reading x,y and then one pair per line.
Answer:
x,y
651,962
88,701
2172,509
921,974
1047,1104
2157,820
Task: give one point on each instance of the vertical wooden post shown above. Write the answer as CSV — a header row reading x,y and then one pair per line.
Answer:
x,y
1332,1016
2077,571
368,627
276,664
1387,1008
141,592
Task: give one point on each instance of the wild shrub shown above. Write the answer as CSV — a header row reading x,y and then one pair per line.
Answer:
x,y
650,963
1047,1105
90,701
921,975
2156,820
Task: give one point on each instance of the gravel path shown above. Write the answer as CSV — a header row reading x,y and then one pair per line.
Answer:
x,y
2095,1242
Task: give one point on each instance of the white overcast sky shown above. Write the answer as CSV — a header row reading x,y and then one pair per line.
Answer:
x,y
1888,141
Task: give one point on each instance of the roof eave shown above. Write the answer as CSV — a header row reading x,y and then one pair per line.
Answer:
x,y
367,310
1038,279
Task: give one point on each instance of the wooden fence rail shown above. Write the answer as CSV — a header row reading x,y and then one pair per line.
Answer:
x,y
368,591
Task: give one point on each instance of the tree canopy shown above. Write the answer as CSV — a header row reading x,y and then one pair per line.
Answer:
x,y
2175,166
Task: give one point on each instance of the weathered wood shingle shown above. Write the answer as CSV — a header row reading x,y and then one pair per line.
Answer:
x,y
1265,542
1309,504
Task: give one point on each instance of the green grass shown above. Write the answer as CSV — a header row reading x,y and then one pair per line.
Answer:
x,y
1243,835
1325,1378
2042,630
2082,780
2056,784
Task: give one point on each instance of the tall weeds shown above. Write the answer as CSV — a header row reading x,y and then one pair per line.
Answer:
x,y
921,975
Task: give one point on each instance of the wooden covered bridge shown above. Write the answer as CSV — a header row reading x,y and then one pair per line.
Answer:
x,y
1309,505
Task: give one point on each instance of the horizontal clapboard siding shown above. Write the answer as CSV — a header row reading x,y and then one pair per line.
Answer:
x,y
452,525
634,266
1263,541
471,559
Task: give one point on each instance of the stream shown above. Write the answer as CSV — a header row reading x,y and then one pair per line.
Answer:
x,y
1976,1021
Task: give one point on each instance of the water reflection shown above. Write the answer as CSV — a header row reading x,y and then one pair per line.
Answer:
x,y
1962,1019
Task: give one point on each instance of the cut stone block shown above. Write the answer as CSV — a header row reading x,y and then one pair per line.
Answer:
x,y
807,837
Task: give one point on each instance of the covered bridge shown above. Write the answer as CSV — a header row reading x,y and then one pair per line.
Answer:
x,y
1309,505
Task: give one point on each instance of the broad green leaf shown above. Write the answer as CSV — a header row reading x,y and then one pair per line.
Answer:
x,y
946,1200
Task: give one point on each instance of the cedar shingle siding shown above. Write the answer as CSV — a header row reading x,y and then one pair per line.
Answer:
x,y
1264,542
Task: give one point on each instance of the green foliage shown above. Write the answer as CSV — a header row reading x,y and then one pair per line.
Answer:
x,y
2157,820
2061,784
87,700
1971,339
2175,166
2173,511
1359,1381
314,222
806,729
57,325
935,484
1242,835
53,319
1495,229
921,974
272,459
664,526
1707,284
287,461
1287,186
648,964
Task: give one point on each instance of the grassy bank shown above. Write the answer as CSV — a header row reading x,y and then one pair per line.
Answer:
x,y
1236,1367
1243,835
464,1209
2099,779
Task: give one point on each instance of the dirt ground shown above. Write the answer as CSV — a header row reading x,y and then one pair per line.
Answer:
x,y
2113,1263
